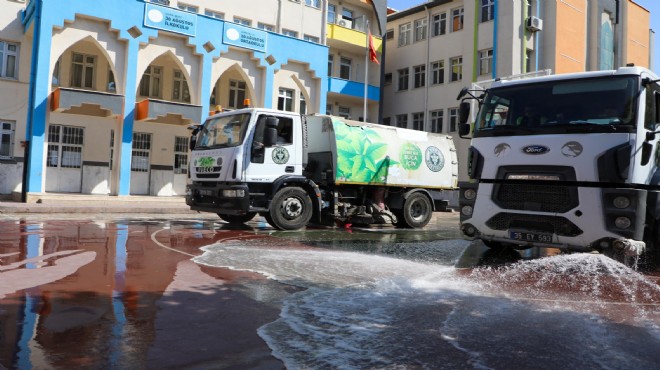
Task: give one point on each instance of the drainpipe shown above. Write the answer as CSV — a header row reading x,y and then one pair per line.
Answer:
x,y
428,69
495,27
36,40
537,50
324,22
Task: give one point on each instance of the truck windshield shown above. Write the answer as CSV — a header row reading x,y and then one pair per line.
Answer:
x,y
223,131
604,104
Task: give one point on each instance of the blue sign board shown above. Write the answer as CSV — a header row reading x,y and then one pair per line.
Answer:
x,y
244,37
168,19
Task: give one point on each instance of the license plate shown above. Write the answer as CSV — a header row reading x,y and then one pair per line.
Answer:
x,y
530,237
205,192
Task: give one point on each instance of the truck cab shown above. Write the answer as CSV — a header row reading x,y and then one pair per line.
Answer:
x,y
565,161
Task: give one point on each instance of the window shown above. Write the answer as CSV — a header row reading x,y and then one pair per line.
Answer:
x,y
289,33
332,14
456,69
418,121
403,79
453,119
214,14
328,109
331,63
65,145
487,10
387,121
389,34
236,94
112,148
181,154
6,139
285,100
387,79
439,24
405,31
345,68
311,38
419,76
344,112
140,153
188,8
9,59
313,3
437,118
112,85
402,120
420,29
82,71
266,27
242,21
485,62
456,19
303,104
180,91
438,72
55,81
150,82
347,15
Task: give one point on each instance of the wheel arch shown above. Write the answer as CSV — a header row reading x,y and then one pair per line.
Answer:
x,y
397,200
306,184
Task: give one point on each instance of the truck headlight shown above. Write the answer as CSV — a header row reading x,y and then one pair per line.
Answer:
x,y
622,222
467,210
231,193
470,194
621,202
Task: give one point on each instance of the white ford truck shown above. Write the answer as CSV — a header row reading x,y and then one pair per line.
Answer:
x,y
295,169
565,161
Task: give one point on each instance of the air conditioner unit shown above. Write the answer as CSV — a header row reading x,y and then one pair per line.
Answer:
x,y
345,23
534,24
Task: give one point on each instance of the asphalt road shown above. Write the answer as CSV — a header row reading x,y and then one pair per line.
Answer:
x,y
193,292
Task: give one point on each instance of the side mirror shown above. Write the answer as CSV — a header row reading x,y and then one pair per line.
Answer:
x,y
194,130
270,136
271,122
463,130
464,112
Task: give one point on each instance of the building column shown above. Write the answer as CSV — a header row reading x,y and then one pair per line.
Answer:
x,y
126,144
38,101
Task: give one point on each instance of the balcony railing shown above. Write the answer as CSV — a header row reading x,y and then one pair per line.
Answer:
x,y
86,102
161,111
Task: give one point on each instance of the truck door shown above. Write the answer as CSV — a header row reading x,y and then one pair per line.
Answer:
x,y
265,164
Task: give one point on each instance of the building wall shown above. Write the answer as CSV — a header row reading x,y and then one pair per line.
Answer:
x,y
637,35
571,36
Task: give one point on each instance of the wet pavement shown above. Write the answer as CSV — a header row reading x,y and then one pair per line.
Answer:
x,y
191,291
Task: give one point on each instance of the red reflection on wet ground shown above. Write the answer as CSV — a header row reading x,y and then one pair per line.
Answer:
x,y
123,295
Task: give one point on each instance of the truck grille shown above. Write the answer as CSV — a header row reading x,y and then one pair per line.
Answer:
x,y
536,197
208,172
540,223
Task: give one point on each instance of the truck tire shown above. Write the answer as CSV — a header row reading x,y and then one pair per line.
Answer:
x,y
237,219
290,209
416,213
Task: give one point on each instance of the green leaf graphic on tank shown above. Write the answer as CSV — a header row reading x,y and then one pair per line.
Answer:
x,y
361,154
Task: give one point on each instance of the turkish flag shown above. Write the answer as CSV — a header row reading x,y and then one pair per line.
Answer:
x,y
372,50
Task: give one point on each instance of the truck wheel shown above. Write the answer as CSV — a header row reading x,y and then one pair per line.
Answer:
x,y
416,212
237,219
290,209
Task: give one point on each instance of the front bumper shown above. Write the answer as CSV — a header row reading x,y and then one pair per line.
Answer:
x,y
214,198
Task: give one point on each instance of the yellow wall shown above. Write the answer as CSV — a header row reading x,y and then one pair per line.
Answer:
x,y
571,36
637,35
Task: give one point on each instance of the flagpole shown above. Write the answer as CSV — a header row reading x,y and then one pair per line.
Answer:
x,y
366,71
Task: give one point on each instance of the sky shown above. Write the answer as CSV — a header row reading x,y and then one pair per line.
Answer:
x,y
652,5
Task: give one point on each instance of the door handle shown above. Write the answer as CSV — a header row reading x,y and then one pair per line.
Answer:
x,y
289,169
